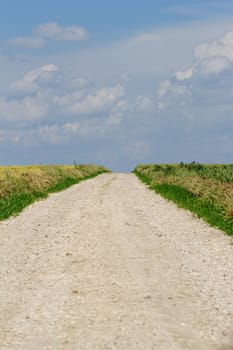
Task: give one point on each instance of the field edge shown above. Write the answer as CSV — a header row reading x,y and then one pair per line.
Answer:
x,y
15,202
184,199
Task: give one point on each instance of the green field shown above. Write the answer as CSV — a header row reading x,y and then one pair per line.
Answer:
x,y
21,186
206,190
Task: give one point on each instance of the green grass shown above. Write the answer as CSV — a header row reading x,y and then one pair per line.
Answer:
x,y
203,209
21,186
219,172
174,183
15,203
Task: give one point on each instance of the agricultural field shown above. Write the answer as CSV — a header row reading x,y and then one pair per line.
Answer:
x,y
206,190
22,185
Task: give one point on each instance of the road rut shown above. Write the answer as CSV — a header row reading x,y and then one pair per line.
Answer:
x,y
108,264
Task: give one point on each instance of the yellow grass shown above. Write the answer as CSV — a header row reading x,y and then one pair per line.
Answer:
x,y
18,179
211,190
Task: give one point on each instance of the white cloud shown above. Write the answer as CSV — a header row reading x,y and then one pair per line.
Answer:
x,y
55,133
173,94
144,104
27,109
207,50
104,104
164,87
220,48
187,74
29,83
228,39
122,106
49,134
54,31
114,119
71,127
27,42
204,91
151,55
68,99
49,68
211,58
98,101
215,65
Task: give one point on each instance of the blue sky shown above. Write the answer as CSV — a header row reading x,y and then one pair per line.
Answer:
x,y
117,84
104,18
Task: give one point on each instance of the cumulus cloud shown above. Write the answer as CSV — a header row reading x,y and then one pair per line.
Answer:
x,y
40,94
68,99
28,42
49,134
54,31
173,93
26,109
211,58
88,98
205,90
164,87
30,82
217,48
71,127
144,103
56,133
98,101
27,99
215,65
50,30
187,74
114,119
167,87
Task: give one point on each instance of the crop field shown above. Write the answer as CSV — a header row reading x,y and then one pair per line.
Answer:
x,y
22,185
206,190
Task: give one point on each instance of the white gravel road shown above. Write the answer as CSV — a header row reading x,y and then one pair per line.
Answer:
x,y
108,264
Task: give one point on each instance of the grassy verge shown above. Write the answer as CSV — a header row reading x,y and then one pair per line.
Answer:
x,y
208,198
21,186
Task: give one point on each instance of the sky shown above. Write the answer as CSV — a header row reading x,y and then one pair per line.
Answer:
x,y
116,83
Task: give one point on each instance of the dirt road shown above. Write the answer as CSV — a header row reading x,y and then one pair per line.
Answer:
x,y
108,264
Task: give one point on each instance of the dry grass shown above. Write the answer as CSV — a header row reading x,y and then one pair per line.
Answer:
x,y
39,178
21,185
211,190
